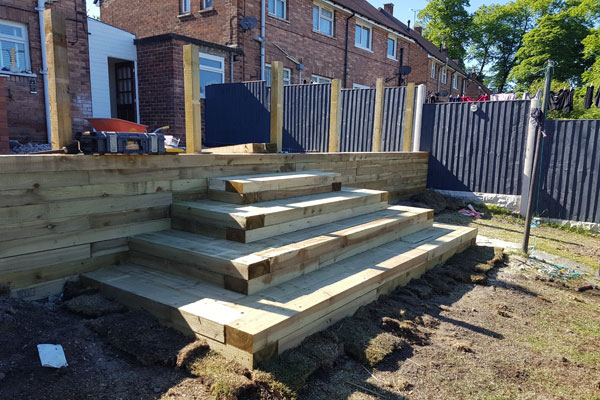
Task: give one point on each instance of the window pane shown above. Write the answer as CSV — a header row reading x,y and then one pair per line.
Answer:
x,y
286,76
211,63
391,47
11,30
208,4
280,9
315,18
209,78
326,13
326,27
268,75
357,35
272,6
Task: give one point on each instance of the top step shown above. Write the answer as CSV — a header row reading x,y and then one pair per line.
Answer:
x,y
249,189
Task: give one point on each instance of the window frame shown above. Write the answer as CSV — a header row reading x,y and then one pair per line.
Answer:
x,y
274,13
359,86
268,81
370,41
332,20
455,81
211,69
185,7
433,69
204,7
320,79
395,56
444,76
26,69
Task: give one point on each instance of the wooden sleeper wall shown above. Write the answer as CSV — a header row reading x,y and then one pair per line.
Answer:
x,y
64,215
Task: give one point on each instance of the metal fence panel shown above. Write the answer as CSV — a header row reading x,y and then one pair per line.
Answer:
x,y
477,150
570,181
358,108
306,118
237,113
394,108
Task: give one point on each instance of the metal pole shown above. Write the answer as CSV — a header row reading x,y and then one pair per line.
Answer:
x,y
536,159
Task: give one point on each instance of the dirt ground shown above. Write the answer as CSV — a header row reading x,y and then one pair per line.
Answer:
x,y
484,326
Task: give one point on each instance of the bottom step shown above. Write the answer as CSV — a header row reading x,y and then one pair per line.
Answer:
x,y
255,327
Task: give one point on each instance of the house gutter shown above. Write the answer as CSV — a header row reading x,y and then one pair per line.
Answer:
x,y
346,49
44,71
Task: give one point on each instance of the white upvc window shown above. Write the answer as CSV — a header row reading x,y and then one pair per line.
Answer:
x,y
287,75
362,37
14,47
185,6
212,71
464,86
359,86
392,45
320,79
207,4
433,70
455,81
444,76
323,20
278,8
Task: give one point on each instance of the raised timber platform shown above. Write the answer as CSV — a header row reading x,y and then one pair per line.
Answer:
x,y
316,259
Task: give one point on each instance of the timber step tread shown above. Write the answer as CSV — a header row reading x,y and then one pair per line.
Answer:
x,y
276,181
249,223
254,323
251,260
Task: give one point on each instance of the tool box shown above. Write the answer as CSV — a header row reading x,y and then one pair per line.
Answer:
x,y
121,143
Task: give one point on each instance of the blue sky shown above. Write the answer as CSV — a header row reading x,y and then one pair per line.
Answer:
x,y
402,9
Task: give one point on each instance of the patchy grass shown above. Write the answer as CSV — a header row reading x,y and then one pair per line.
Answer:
x,y
573,243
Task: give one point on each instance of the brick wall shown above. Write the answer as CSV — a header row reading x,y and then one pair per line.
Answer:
x,y
31,125
4,147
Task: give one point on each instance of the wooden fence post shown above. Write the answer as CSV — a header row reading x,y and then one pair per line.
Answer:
x,y
408,117
335,116
277,104
58,79
193,110
378,118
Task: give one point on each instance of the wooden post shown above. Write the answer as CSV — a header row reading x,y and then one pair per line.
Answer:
x,y
378,119
409,116
58,79
193,110
277,104
335,116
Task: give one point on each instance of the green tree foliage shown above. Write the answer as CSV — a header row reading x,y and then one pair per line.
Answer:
x,y
448,21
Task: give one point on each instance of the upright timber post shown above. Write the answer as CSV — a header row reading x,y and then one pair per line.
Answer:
x,y
536,158
408,117
335,116
193,110
277,104
378,118
58,79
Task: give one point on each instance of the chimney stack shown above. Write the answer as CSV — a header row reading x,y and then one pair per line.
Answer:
x,y
444,48
419,30
389,8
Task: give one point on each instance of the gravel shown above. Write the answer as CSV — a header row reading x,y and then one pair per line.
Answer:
x,y
18,148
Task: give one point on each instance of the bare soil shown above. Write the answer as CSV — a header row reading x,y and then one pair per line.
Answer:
x,y
483,326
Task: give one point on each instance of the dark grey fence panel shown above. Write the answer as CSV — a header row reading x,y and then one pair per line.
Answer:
x,y
570,184
237,113
358,107
393,118
306,118
478,150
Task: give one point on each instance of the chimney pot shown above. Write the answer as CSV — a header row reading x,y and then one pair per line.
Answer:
x,y
389,8
419,30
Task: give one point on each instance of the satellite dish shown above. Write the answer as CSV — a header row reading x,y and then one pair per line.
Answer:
x,y
405,70
248,23
444,93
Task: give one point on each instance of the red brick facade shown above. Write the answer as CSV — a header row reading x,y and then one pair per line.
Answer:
x,y
26,111
4,147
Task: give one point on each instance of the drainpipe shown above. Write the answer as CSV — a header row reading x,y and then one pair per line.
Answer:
x,y
346,50
263,12
44,72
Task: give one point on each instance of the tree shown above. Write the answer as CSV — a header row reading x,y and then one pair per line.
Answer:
x,y
557,37
448,21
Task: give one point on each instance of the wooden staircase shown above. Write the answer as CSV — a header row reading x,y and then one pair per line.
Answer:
x,y
255,277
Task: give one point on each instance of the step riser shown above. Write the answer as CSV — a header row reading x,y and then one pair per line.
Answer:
x,y
196,224
277,266
270,195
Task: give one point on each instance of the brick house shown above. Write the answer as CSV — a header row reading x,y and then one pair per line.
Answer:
x,y
22,67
